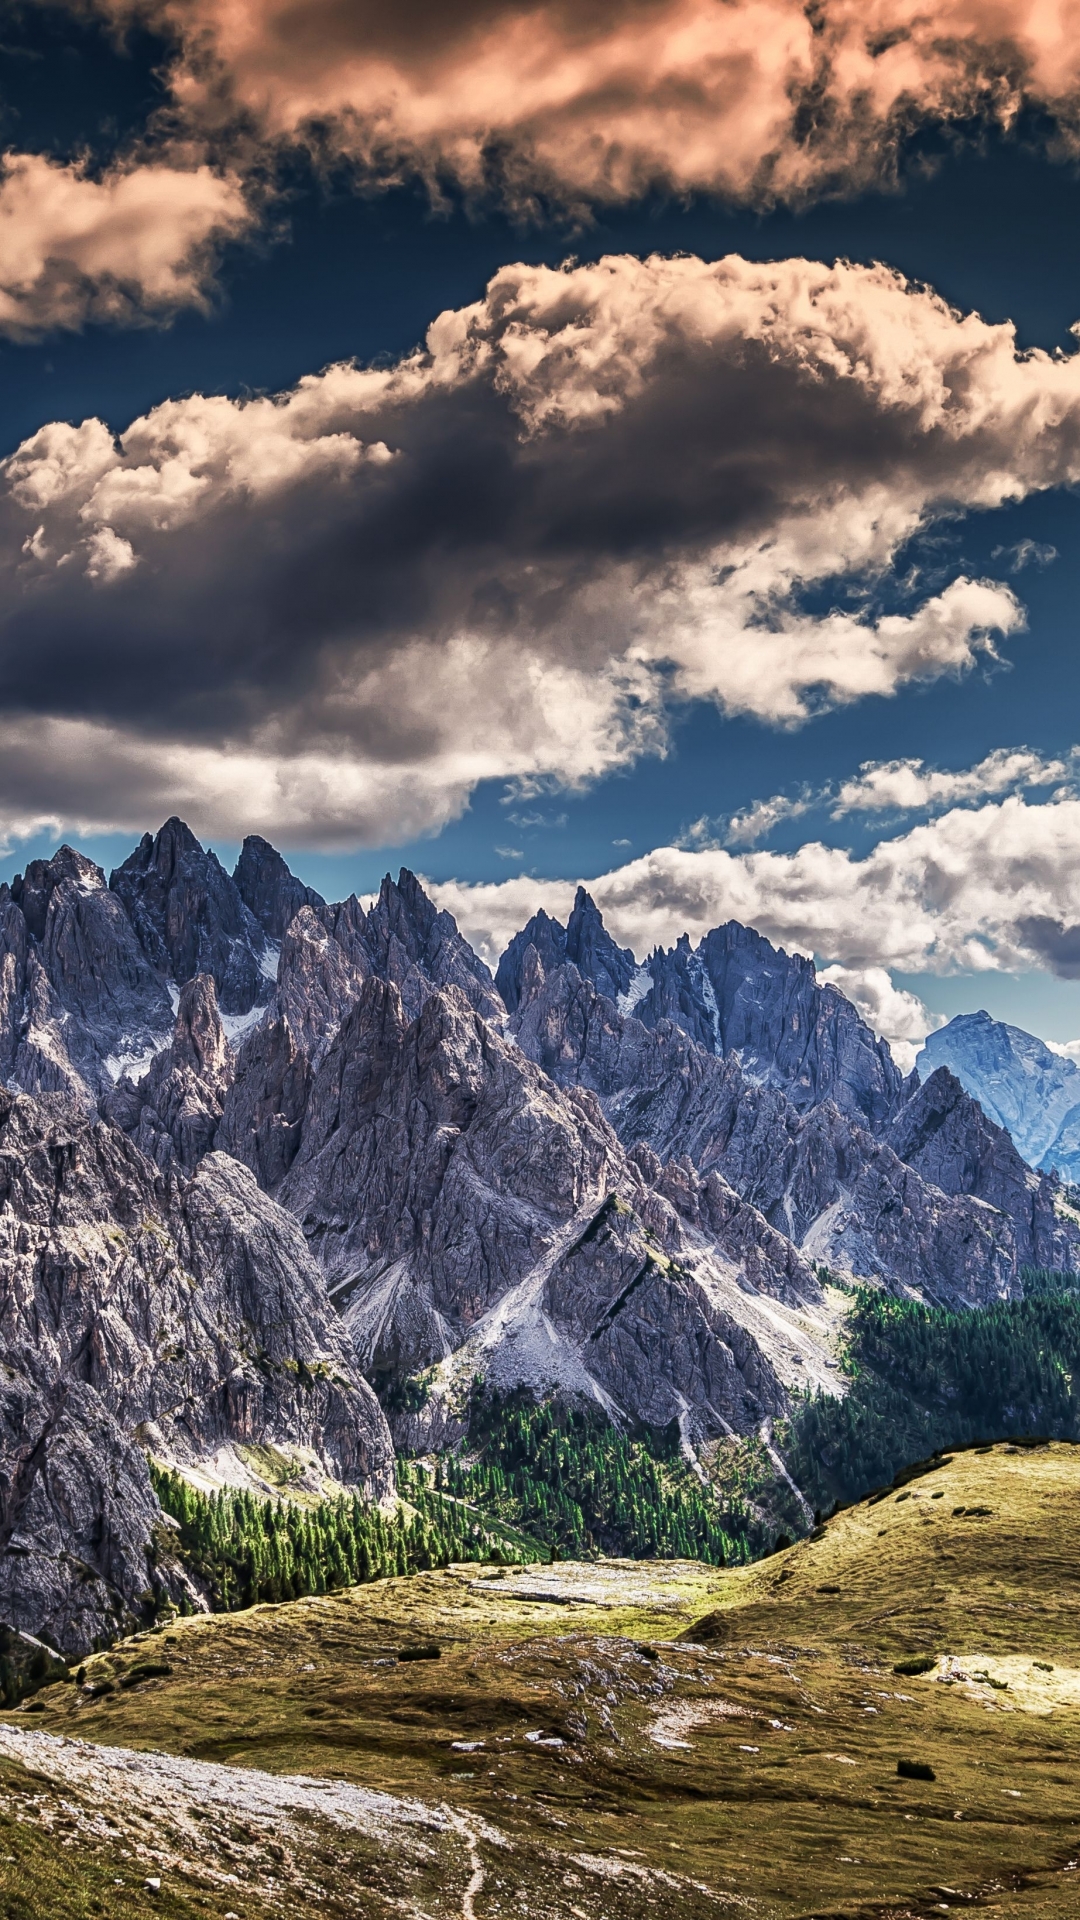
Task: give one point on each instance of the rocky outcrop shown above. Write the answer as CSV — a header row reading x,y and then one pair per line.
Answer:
x,y
945,1135
141,1312
434,1139
96,966
473,1216
190,918
325,958
268,889
76,989
174,1113
318,979
33,1044
408,941
584,941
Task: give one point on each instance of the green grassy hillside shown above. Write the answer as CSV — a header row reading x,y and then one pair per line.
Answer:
x,y
600,1740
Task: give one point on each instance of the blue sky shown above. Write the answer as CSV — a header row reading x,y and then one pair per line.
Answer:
x,y
332,270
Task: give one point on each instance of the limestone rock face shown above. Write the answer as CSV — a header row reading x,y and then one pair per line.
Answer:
x,y
584,941
33,1044
945,1135
473,1216
819,1177
75,984
175,1112
190,917
326,956
435,1139
95,964
137,1312
734,993
319,977
420,949
268,889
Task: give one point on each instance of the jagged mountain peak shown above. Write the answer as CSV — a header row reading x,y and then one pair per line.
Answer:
x,y
269,888
418,944
190,916
734,992
584,941
33,890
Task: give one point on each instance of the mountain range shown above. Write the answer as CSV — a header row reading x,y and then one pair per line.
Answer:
x,y
280,1178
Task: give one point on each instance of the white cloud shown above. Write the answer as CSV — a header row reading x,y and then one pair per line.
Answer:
x,y
895,786
908,786
108,556
136,243
979,889
1068,1049
756,822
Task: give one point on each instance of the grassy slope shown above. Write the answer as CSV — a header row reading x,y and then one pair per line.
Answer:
x,y
772,1818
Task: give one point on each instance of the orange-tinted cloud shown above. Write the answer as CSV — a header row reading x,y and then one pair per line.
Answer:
x,y
136,243
592,101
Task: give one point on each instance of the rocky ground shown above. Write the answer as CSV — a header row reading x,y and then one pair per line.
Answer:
x,y
598,1740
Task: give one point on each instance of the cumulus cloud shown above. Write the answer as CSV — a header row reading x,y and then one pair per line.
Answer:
x,y
756,99
1068,1049
592,492
980,889
909,786
137,243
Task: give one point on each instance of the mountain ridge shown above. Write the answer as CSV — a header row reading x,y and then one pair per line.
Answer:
x,y
552,1182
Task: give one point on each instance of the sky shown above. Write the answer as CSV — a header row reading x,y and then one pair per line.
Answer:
x,y
633,442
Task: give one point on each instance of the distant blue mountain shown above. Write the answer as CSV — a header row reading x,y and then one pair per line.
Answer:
x,y
1018,1081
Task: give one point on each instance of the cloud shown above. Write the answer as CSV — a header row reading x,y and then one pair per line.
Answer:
x,y
894,1013
904,786
893,786
1026,553
980,889
595,491
135,244
759,100
757,821
1068,1049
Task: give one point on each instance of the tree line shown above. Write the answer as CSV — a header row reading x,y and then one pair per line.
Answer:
x,y
243,1548
582,1486
921,1378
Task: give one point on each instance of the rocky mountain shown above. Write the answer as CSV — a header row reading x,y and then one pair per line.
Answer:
x,y
462,1204
844,1195
267,888
260,1153
190,917
1019,1082
138,1313
733,993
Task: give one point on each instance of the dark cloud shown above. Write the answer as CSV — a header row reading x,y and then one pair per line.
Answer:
x,y
1056,945
595,487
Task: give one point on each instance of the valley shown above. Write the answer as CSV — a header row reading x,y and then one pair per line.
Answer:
x,y
596,1738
